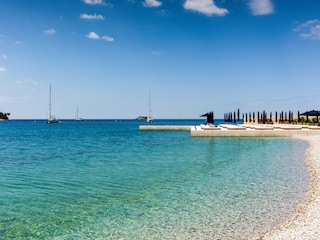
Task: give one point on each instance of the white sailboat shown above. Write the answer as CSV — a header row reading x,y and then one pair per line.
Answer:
x,y
77,116
51,119
149,118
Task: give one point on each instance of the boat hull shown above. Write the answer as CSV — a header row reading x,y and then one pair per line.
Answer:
x,y
52,121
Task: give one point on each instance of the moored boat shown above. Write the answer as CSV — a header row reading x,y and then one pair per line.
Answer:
x,y
77,118
149,118
51,119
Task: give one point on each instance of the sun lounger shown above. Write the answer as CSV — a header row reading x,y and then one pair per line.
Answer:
x,y
314,127
263,128
291,127
232,127
209,127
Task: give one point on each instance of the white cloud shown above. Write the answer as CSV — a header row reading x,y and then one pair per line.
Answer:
x,y
107,38
261,7
50,31
94,2
152,3
207,7
94,36
3,69
97,2
309,29
91,17
27,81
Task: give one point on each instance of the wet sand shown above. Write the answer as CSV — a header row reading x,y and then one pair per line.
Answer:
x,y
305,224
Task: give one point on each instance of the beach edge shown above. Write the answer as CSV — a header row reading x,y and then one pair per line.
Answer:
x,y
305,223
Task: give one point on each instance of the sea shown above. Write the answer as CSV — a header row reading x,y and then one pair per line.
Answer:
x,y
106,179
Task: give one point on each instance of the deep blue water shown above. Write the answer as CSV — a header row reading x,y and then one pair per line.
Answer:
x,y
105,179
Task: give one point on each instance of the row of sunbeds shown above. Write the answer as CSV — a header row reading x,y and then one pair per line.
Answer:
x,y
258,127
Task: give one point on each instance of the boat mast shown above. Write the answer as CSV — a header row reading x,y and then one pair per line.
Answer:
x,y
50,102
149,107
76,117
149,118
149,104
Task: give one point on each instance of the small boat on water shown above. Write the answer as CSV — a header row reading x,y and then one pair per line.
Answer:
x,y
77,116
149,118
52,119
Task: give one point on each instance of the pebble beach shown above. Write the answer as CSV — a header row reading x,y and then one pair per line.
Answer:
x,y
305,224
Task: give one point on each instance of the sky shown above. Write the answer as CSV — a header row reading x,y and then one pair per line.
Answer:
x,y
191,56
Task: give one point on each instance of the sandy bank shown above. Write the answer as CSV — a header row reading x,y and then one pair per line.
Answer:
x,y
305,224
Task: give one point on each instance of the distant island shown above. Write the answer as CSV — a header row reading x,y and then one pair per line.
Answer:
x,y
141,118
4,116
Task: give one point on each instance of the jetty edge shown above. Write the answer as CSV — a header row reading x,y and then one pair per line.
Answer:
x,y
240,130
165,127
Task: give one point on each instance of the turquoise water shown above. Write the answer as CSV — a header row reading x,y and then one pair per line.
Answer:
x,y
108,180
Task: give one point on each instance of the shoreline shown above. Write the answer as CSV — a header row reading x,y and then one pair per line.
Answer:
x,y
305,223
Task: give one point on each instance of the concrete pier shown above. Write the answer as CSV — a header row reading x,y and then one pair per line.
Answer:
x,y
255,131
243,130
165,127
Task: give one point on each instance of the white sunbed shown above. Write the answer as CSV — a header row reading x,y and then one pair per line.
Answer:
x,y
209,127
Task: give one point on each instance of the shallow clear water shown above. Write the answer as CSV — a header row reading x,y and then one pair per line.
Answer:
x,y
108,180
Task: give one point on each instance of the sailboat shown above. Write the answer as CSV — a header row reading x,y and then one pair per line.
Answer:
x,y
77,116
149,118
51,119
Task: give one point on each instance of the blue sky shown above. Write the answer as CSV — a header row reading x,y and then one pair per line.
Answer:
x,y
193,56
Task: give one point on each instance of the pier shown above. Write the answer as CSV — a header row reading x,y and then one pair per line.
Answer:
x,y
165,127
262,131
240,130
251,125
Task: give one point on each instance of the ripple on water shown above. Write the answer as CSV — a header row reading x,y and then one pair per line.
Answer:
x,y
101,181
